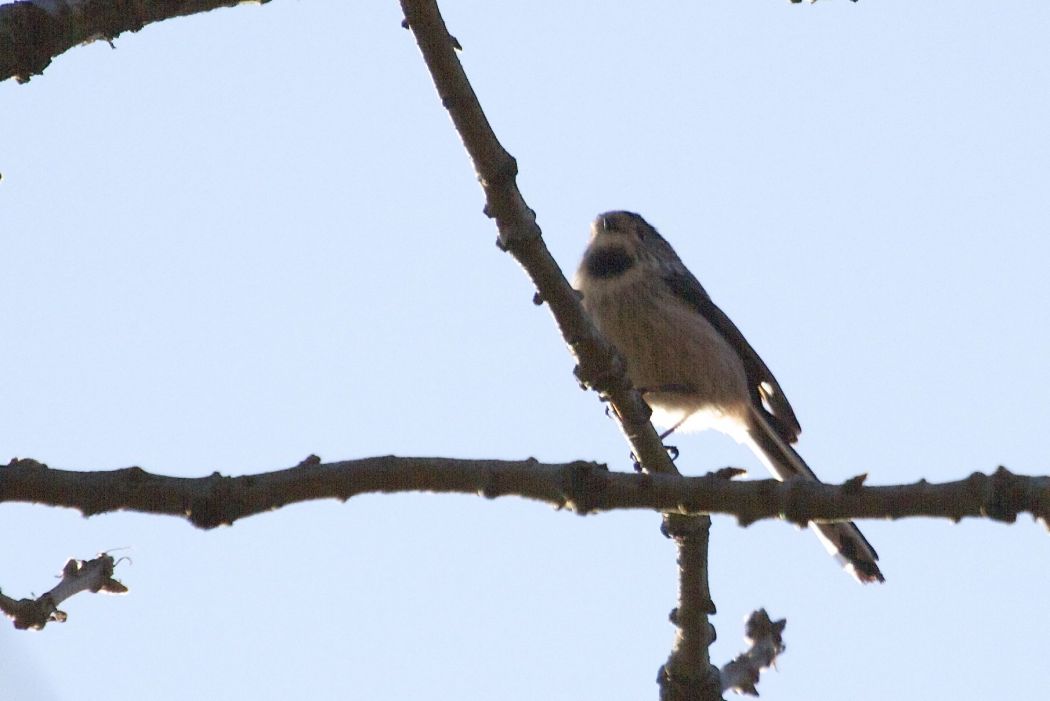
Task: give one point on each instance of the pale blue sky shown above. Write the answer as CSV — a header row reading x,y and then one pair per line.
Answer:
x,y
244,237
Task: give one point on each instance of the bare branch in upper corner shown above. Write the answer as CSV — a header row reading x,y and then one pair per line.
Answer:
x,y
35,32
741,675
77,576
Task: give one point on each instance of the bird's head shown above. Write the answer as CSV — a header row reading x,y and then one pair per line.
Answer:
x,y
622,242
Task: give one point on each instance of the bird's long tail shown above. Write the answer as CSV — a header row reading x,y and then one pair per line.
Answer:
x,y
843,540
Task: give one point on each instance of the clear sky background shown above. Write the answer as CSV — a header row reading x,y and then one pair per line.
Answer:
x,y
248,236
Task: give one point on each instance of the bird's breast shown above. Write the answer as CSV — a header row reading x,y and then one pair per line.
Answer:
x,y
673,353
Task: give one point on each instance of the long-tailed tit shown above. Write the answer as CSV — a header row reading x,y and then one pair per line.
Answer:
x,y
690,361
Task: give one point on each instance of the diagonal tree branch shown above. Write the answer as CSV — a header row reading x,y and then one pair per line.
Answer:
x,y
580,487
35,32
599,365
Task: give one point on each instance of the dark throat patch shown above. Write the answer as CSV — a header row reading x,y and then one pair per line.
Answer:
x,y
608,261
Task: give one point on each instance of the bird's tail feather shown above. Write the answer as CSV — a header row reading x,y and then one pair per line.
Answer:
x,y
843,540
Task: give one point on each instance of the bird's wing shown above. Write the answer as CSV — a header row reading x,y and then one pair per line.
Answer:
x,y
765,391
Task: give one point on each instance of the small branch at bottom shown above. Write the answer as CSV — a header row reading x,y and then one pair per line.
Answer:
x,y
77,576
741,675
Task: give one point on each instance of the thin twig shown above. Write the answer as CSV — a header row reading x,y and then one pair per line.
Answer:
x,y
600,366
765,635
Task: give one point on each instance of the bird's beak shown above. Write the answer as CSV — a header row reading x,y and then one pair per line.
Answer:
x,y
599,226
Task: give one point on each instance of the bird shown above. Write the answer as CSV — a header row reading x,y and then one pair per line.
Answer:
x,y
692,364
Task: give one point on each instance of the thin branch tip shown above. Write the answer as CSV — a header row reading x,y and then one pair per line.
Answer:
x,y
767,643
855,482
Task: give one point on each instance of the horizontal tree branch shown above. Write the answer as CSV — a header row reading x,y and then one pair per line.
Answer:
x,y
582,487
77,576
35,32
